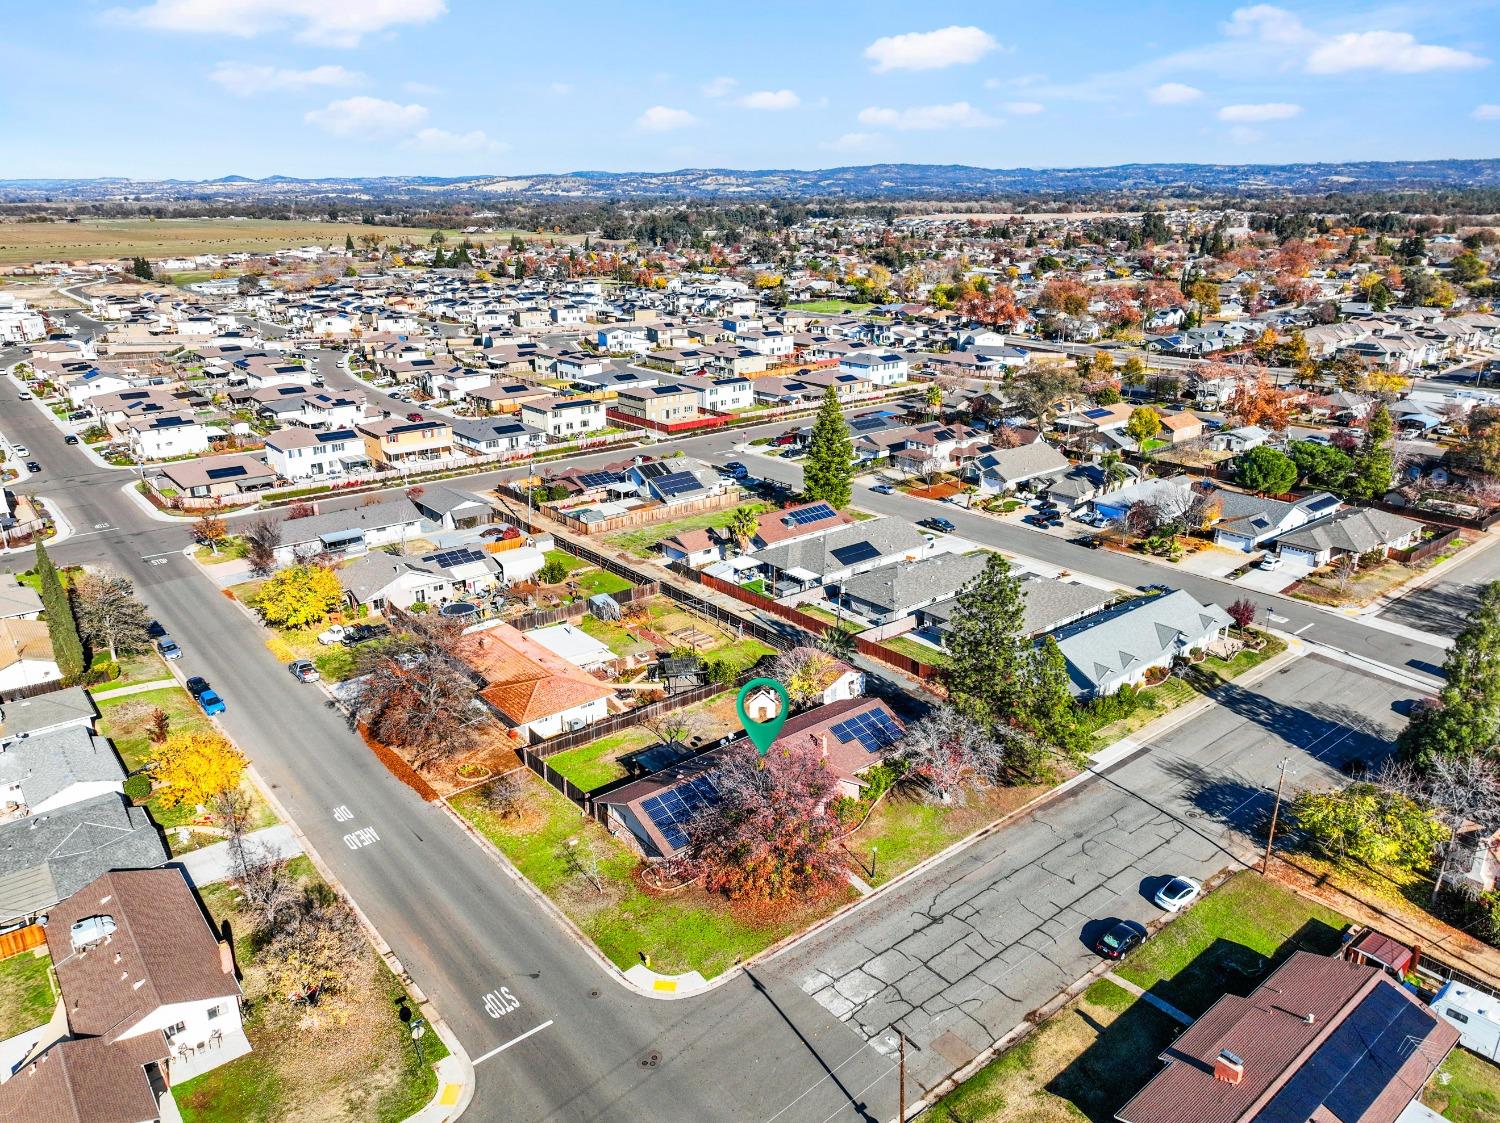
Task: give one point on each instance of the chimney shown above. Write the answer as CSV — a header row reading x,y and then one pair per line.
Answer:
x,y
823,744
1228,1067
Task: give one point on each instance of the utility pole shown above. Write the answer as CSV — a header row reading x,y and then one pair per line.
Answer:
x,y
901,1081
1265,868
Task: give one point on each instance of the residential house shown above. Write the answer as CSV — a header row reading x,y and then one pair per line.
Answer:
x,y
563,419
657,405
44,858
302,454
1180,427
725,394
379,580
1120,645
505,397
219,477
1049,604
350,532
26,657
397,442
488,436
1001,470
162,436
694,548
46,713
1320,1039
1245,521
451,508
895,592
803,520
18,601
829,559
570,642
1239,440
675,481
1353,531
879,368
851,736
149,997
532,691
41,773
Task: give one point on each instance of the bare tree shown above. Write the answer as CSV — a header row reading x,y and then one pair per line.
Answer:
x,y
949,750
674,727
109,615
805,672
269,890
506,796
262,537
416,695
1462,792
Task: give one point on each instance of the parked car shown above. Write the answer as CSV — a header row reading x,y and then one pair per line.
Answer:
x,y
196,685
1177,893
938,523
33,467
1269,562
883,489
211,702
1120,939
303,670
414,416
167,648
359,633
70,439
20,451
24,395
735,470
155,629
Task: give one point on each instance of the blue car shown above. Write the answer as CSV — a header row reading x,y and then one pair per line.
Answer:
x,y
211,702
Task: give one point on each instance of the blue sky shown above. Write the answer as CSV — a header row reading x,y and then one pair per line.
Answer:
x,y
203,88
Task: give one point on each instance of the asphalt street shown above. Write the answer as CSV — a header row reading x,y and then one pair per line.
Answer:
x,y
763,1046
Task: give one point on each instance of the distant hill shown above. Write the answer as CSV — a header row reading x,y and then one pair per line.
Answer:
x,y
874,181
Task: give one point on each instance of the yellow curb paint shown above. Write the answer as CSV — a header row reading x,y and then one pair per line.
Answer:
x,y
450,1095
664,984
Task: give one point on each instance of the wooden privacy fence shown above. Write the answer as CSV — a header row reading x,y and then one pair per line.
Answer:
x,y
18,940
1424,550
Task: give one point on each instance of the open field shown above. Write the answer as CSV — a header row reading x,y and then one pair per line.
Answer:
x,y
169,237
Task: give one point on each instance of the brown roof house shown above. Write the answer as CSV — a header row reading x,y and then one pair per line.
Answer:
x,y
148,999
535,692
852,736
1323,1040
26,654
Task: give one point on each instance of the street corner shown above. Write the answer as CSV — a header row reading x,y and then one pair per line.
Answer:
x,y
656,985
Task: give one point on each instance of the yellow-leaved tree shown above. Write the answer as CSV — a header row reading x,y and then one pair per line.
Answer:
x,y
299,597
194,766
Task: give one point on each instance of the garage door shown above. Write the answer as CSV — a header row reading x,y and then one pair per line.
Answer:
x,y
1294,554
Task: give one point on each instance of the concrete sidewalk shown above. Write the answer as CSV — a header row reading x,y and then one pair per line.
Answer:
x,y
212,863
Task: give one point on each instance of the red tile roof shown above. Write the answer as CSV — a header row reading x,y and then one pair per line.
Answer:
x,y
525,682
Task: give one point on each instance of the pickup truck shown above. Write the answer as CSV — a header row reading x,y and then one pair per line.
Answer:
x,y
350,634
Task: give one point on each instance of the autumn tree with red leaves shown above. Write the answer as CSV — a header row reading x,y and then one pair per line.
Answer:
x,y
770,835
1256,400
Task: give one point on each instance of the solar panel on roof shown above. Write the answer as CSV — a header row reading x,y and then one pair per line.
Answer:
x,y
855,552
448,559
225,473
673,809
599,479
653,468
816,512
1096,413
677,483
874,729
865,424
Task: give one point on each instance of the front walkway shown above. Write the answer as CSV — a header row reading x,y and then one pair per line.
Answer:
x,y
213,863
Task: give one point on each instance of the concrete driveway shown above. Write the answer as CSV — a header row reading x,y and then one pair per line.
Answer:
x,y
960,956
1273,580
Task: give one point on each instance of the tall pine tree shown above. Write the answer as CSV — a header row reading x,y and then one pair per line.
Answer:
x,y
67,648
1050,711
1373,464
348,243
1467,717
829,469
987,639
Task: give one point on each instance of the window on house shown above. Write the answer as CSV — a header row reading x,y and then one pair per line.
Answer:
x,y
214,1012
173,1031
1454,1015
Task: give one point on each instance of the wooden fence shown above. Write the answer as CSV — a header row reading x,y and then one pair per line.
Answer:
x,y
1421,552
645,516
18,940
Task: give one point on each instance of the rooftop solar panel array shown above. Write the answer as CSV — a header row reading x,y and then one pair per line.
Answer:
x,y
677,483
854,553
873,729
449,559
672,810
865,424
653,468
812,513
599,479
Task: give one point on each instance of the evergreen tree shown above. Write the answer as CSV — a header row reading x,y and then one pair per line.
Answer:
x,y
348,243
438,260
830,456
987,640
1466,719
141,268
67,648
460,256
1373,466
1050,711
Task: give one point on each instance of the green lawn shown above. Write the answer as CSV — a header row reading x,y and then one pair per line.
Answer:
x,y
1082,1064
568,561
690,930
918,651
642,541
359,1063
1230,940
850,624
839,306
145,666
613,634
26,995
741,654
594,765
1471,1093
596,581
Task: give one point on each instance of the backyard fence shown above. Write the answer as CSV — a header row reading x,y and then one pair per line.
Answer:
x,y
644,516
1424,550
18,940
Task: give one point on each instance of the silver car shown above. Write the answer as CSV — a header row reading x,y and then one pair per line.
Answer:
x,y
1178,893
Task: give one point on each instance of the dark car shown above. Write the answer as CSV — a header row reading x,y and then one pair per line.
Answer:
x,y
33,466
362,632
939,524
1118,940
735,470
1088,541
196,685
70,439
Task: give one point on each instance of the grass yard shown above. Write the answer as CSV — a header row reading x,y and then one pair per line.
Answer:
x,y
613,634
27,997
689,930
1465,1089
642,541
1230,940
594,765
907,828
835,306
918,651
1322,586
850,624
1083,1063
142,667
173,237
335,661
568,561
356,1062
595,581
126,722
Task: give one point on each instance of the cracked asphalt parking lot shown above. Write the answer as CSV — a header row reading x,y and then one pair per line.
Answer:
x,y
958,956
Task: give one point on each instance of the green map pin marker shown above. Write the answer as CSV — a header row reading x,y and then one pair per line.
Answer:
x,y
762,734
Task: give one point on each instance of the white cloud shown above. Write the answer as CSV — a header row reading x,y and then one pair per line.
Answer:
x,y
854,142
930,50
661,119
1486,113
719,87
1267,23
443,141
771,99
1173,93
1394,51
244,79
1242,134
958,115
1266,111
367,117
1024,108
334,23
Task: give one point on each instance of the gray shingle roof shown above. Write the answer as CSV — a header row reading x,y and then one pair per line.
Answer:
x,y
46,711
1104,649
52,762
1353,530
906,585
886,536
